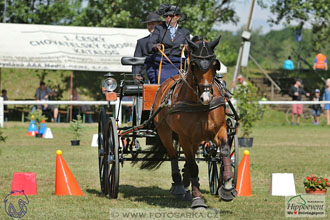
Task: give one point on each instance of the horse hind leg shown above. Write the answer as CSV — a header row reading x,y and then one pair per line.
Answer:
x,y
227,191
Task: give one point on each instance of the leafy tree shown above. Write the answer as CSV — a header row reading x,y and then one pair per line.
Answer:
x,y
314,12
202,14
39,11
272,48
116,13
248,107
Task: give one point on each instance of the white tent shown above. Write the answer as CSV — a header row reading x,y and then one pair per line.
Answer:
x,y
66,47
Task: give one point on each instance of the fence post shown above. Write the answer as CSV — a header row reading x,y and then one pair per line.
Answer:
x,y
1,112
272,88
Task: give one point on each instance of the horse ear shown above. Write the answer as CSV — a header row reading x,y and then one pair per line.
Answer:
x,y
191,44
214,43
217,64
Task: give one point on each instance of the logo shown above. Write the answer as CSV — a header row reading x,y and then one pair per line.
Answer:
x,y
305,206
21,200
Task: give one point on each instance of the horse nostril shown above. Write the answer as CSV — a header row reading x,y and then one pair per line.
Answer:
x,y
206,98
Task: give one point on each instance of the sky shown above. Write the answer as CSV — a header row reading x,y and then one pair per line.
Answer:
x,y
259,19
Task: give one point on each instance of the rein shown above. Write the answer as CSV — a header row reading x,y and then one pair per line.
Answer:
x,y
180,71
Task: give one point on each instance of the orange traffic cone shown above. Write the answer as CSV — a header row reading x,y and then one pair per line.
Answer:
x,y
65,183
243,186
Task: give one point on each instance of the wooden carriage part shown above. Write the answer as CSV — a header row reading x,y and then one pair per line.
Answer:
x,y
148,93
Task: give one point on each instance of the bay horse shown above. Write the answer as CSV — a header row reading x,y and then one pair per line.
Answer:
x,y
193,110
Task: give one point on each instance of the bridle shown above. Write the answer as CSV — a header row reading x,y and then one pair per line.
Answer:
x,y
204,60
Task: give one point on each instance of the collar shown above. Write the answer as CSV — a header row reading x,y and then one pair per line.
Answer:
x,y
169,26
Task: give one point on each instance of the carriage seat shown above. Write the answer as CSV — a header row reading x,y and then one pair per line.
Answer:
x,y
134,61
133,90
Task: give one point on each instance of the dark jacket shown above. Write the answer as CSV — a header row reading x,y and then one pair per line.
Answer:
x,y
141,50
317,107
300,91
172,48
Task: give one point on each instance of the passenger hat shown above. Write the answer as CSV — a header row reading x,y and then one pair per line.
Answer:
x,y
317,91
152,16
167,9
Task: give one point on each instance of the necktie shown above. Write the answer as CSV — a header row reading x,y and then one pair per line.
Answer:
x,y
172,32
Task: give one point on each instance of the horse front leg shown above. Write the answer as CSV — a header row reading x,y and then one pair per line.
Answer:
x,y
189,151
227,191
166,136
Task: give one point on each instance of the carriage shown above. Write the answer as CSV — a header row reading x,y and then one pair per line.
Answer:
x,y
117,144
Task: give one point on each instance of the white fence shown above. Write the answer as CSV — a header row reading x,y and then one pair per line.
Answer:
x,y
116,103
9,102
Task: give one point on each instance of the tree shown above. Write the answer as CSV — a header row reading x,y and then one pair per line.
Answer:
x,y
39,11
314,12
115,13
202,14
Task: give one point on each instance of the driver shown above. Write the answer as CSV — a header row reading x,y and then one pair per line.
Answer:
x,y
173,37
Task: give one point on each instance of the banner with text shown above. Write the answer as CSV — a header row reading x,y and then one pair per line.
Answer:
x,y
66,47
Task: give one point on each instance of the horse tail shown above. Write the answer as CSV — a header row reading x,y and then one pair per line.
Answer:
x,y
155,156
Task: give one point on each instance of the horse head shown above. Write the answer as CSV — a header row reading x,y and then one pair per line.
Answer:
x,y
203,66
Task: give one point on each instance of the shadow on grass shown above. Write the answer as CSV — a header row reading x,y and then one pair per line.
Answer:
x,y
153,196
95,192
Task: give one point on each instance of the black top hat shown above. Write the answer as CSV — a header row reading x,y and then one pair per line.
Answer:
x,y
167,9
152,16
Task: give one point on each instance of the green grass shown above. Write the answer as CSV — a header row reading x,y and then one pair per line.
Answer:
x,y
278,148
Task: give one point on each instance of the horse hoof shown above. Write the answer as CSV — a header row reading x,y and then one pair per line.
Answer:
x,y
198,203
227,195
187,196
178,190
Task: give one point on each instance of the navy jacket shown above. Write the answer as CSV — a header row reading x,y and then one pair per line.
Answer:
x,y
141,50
172,48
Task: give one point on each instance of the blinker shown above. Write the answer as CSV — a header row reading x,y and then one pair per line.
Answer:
x,y
204,65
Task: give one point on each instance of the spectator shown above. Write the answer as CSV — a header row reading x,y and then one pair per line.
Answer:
x,y
296,91
326,97
240,80
316,108
5,108
288,64
43,93
320,61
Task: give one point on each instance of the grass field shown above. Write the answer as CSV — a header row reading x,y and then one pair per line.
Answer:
x,y
278,148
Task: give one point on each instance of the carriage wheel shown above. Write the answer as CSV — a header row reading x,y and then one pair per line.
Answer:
x,y
101,150
112,153
234,158
213,176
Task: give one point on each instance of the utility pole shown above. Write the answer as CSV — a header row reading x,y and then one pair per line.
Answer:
x,y
245,37
299,31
